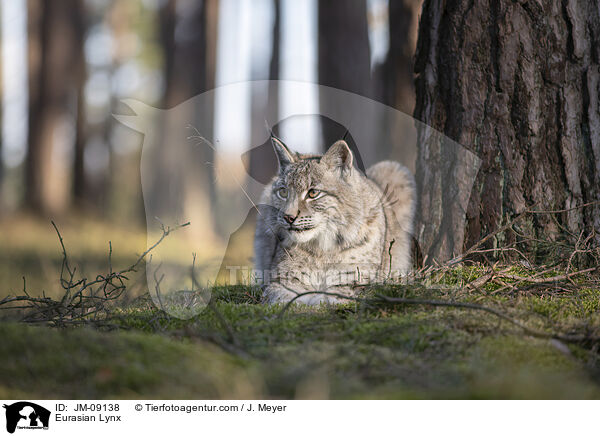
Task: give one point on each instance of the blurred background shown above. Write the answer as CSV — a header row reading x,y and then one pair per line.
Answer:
x,y
67,65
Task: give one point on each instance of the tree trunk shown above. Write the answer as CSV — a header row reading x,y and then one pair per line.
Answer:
x,y
1,123
395,79
54,49
396,73
80,75
275,43
190,62
264,103
37,146
518,84
344,53
190,59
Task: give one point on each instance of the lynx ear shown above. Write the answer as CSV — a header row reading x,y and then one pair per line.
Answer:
x,y
339,155
284,155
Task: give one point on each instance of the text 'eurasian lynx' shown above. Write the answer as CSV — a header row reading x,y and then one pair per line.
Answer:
x,y
323,226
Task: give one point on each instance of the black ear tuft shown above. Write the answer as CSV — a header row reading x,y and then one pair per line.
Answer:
x,y
339,155
284,155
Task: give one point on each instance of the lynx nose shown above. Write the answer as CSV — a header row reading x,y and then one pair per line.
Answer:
x,y
289,218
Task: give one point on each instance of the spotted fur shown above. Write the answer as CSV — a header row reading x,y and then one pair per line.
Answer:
x,y
323,226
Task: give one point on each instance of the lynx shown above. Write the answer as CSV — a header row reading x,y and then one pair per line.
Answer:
x,y
324,228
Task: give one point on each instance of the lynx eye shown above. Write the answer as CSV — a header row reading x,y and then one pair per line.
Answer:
x,y
282,192
313,193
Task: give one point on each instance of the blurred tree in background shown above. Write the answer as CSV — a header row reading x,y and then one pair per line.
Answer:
x,y
394,80
56,78
83,56
188,37
344,59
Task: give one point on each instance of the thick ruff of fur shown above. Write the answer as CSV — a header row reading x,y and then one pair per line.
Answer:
x,y
323,226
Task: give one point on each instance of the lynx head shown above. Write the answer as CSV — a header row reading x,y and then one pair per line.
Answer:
x,y
318,198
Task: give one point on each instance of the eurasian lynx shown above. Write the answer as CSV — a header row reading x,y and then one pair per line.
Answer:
x,y
323,226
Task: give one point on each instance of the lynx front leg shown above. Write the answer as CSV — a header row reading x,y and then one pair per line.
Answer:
x,y
277,293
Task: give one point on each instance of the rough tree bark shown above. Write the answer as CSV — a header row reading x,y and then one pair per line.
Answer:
x,y
517,83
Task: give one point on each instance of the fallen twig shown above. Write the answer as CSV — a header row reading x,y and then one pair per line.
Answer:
x,y
83,301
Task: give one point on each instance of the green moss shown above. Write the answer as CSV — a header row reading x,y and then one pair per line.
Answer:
x,y
345,351
83,363
510,367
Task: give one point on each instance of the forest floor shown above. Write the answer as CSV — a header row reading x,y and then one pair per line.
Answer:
x,y
372,348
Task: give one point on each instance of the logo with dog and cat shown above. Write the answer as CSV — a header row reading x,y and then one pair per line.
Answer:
x,y
25,415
